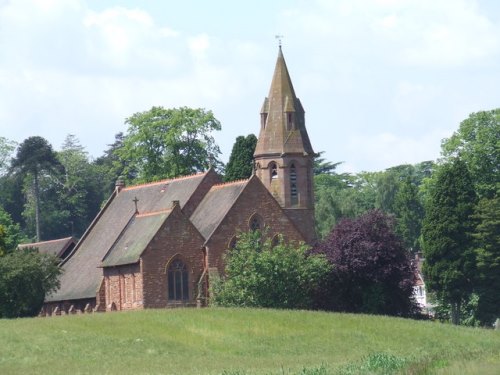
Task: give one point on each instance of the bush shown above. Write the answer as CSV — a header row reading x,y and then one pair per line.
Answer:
x,y
25,278
258,274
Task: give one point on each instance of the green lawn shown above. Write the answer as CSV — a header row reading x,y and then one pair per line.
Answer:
x,y
242,341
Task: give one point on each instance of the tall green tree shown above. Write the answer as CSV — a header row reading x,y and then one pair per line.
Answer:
x,y
477,143
409,213
35,157
487,247
164,143
446,232
240,163
109,167
7,147
79,187
11,233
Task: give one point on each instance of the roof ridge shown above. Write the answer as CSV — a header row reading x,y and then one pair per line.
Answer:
x,y
163,181
154,213
223,184
48,241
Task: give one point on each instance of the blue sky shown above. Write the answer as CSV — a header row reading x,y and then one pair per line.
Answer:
x,y
382,81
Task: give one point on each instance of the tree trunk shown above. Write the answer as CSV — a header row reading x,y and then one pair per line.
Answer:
x,y
37,207
455,313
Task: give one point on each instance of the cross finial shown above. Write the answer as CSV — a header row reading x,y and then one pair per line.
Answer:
x,y
135,200
279,37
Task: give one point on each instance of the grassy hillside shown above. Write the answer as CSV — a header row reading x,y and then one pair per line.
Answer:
x,y
242,341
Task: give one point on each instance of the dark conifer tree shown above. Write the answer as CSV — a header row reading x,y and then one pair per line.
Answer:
x,y
240,163
447,240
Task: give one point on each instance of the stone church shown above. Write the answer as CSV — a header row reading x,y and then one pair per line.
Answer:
x,y
156,245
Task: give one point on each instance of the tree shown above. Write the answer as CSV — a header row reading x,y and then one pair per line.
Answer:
x,y
409,214
79,187
487,248
34,157
25,278
164,143
109,167
322,166
258,274
476,142
240,163
6,149
446,232
10,233
371,270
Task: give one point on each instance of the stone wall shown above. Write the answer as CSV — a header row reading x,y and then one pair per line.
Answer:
x,y
254,200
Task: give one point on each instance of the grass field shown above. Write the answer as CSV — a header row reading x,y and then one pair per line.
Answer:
x,y
242,341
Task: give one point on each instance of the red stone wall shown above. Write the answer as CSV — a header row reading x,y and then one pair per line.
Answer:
x,y
123,287
255,199
177,238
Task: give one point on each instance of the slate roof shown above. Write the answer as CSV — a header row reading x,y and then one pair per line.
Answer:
x,y
135,238
82,276
54,247
215,205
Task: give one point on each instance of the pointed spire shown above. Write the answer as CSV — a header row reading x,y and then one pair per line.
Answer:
x,y
283,125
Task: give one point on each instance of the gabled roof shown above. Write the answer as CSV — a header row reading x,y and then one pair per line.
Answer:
x,y
135,238
215,205
82,277
53,247
275,137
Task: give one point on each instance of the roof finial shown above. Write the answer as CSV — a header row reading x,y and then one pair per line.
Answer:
x,y
135,200
279,37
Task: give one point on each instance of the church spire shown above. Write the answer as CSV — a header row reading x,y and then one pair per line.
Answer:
x,y
282,117
283,156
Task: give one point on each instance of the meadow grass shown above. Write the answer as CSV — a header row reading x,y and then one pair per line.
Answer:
x,y
242,341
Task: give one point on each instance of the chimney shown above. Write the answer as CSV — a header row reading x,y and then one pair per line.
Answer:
x,y
119,184
175,203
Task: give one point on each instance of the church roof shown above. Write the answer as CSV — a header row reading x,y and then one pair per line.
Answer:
x,y
215,205
276,136
53,247
82,277
136,236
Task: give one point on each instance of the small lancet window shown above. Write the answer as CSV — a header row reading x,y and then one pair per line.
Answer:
x,y
289,121
178,285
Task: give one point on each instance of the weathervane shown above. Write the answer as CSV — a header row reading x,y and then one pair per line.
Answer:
x,y
279,37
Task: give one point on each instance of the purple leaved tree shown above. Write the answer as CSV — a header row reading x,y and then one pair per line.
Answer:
x,y
372,272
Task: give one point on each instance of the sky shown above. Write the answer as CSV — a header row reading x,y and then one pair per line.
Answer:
x,y
382,81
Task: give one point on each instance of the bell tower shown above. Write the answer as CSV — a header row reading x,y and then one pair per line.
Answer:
x,y
283,156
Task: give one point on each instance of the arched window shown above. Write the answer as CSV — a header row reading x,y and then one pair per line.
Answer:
x,y
256,223
273,170
178,281
293,184
275,241
232,243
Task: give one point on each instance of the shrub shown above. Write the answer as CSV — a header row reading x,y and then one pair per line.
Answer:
x,y
258,274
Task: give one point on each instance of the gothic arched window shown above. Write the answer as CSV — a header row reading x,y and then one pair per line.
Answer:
x,y
293,184
256,223
178,281
273,170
